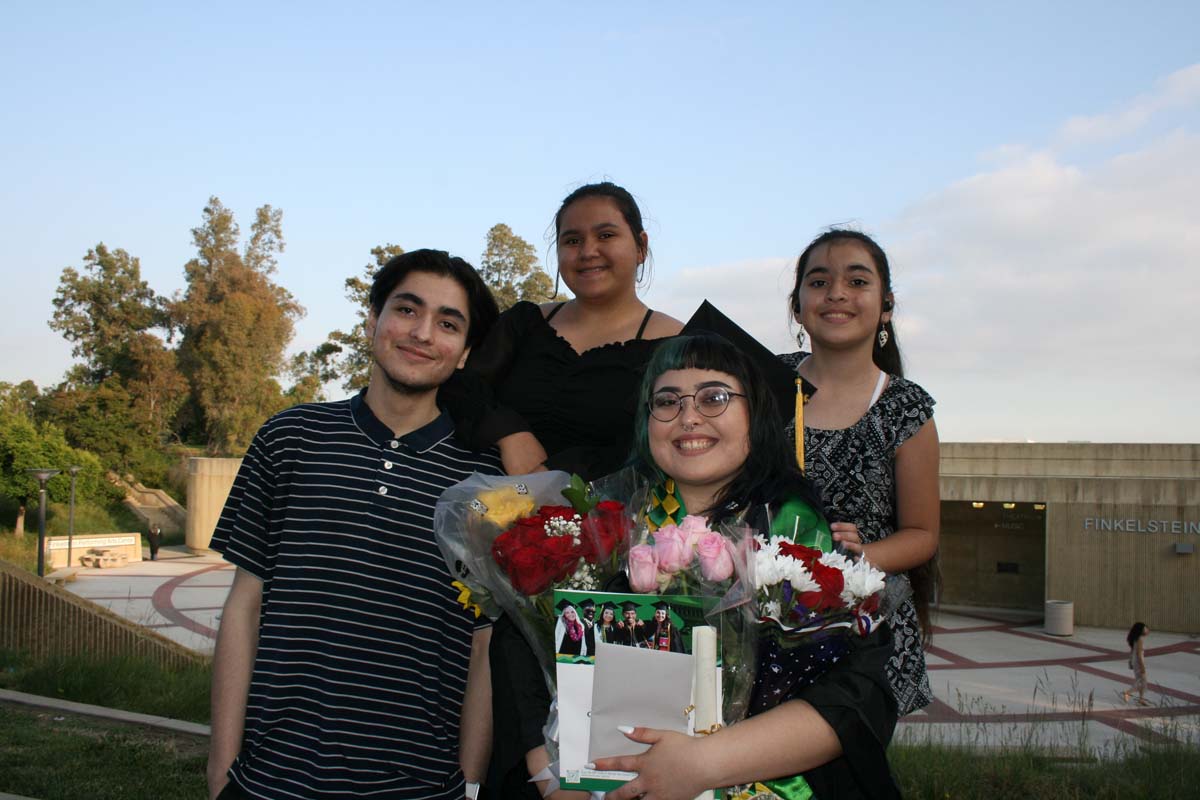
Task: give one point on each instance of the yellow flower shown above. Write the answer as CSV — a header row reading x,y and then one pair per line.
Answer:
x,y
464,597
505,505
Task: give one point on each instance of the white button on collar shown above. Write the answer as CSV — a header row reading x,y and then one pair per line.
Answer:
x,y
394,444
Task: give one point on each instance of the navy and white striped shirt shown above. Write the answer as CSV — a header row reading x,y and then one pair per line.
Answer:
x,y
362,651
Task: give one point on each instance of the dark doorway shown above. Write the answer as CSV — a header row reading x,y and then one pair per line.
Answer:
x,y
993,554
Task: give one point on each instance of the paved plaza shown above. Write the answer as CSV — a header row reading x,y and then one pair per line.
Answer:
x,y
998,678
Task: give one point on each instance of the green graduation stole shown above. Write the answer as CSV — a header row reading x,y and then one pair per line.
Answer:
x,y
666,506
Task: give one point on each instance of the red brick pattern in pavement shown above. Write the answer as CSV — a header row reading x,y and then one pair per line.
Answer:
x,y
1121,719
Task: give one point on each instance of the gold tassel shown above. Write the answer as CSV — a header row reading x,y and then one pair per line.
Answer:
x,y
800,398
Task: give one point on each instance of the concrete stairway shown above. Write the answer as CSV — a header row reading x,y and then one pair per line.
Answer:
x,y
152,506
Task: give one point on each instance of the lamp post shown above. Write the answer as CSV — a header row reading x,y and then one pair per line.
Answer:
x,y
42,475
73,471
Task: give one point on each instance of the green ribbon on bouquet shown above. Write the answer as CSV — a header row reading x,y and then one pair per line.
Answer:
x,y
793,788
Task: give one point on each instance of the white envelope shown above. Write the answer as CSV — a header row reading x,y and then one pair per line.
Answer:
x,y
637,687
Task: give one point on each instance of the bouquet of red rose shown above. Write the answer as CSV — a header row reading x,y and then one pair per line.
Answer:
x,y
511,542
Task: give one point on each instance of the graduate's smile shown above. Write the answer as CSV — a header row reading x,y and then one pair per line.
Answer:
x,y
695,444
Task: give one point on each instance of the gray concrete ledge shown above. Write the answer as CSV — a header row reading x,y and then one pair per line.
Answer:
x,y
53,703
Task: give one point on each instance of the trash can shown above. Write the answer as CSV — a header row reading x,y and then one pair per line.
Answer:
x,y
1060,617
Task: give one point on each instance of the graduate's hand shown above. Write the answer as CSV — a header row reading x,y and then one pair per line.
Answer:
x,y
847,534
669,770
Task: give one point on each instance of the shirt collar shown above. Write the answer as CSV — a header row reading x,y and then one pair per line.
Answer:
x,y
420,440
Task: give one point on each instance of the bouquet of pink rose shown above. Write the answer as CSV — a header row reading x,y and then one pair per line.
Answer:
x,y
673,558
695,559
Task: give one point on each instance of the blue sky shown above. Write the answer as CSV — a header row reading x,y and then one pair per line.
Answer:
x,y
1031,170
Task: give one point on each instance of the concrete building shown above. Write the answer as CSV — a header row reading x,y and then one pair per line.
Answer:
x,y
1111,528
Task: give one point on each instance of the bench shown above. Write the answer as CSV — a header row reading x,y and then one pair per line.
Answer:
x,y
61,576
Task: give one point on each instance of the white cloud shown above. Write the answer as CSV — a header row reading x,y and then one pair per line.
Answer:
x,y
1058,302
1039,299
1181,88
752,293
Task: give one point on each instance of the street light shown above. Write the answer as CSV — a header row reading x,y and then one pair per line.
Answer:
x,y
73,470
42,475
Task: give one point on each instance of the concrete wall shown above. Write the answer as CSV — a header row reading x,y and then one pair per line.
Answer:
x,y
1114,515
1071,460
209,482
57,547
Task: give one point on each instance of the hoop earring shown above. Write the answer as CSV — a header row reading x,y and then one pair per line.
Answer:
x,y
641,273
883,336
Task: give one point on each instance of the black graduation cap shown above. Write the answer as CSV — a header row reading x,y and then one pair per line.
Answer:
x,y
608,605
629,605
564,604
662,605
587,603
781,379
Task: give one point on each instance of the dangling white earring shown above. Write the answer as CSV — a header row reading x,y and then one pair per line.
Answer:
x,y
801,335
883,336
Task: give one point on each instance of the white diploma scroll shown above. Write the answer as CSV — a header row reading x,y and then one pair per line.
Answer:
x,y
704,683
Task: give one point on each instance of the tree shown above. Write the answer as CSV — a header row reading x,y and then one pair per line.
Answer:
x,y
101,309
509,266
122,400
234,324
311,370
20,398
25,445
99,419
156,387
347,354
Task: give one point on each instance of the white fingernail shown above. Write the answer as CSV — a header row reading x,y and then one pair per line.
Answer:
x,y
589,765
626,729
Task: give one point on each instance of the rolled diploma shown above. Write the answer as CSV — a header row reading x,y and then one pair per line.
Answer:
x,y
704,682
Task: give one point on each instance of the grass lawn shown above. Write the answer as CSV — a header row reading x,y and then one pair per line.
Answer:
x,y
54,756
129,683
49,755
934,772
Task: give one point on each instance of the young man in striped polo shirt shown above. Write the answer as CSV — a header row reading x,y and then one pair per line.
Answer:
x,y
341,666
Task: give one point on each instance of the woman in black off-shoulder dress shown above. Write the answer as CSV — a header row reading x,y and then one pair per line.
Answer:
x,y
555,386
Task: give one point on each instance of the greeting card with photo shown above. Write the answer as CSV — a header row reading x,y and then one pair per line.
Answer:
x,y
625,659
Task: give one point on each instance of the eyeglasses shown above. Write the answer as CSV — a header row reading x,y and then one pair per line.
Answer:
x,y
711,401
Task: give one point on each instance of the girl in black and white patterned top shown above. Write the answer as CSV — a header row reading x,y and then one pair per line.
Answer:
x,y
869,438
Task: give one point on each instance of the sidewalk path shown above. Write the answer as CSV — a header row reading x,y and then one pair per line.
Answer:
x,y
998,679
180,595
